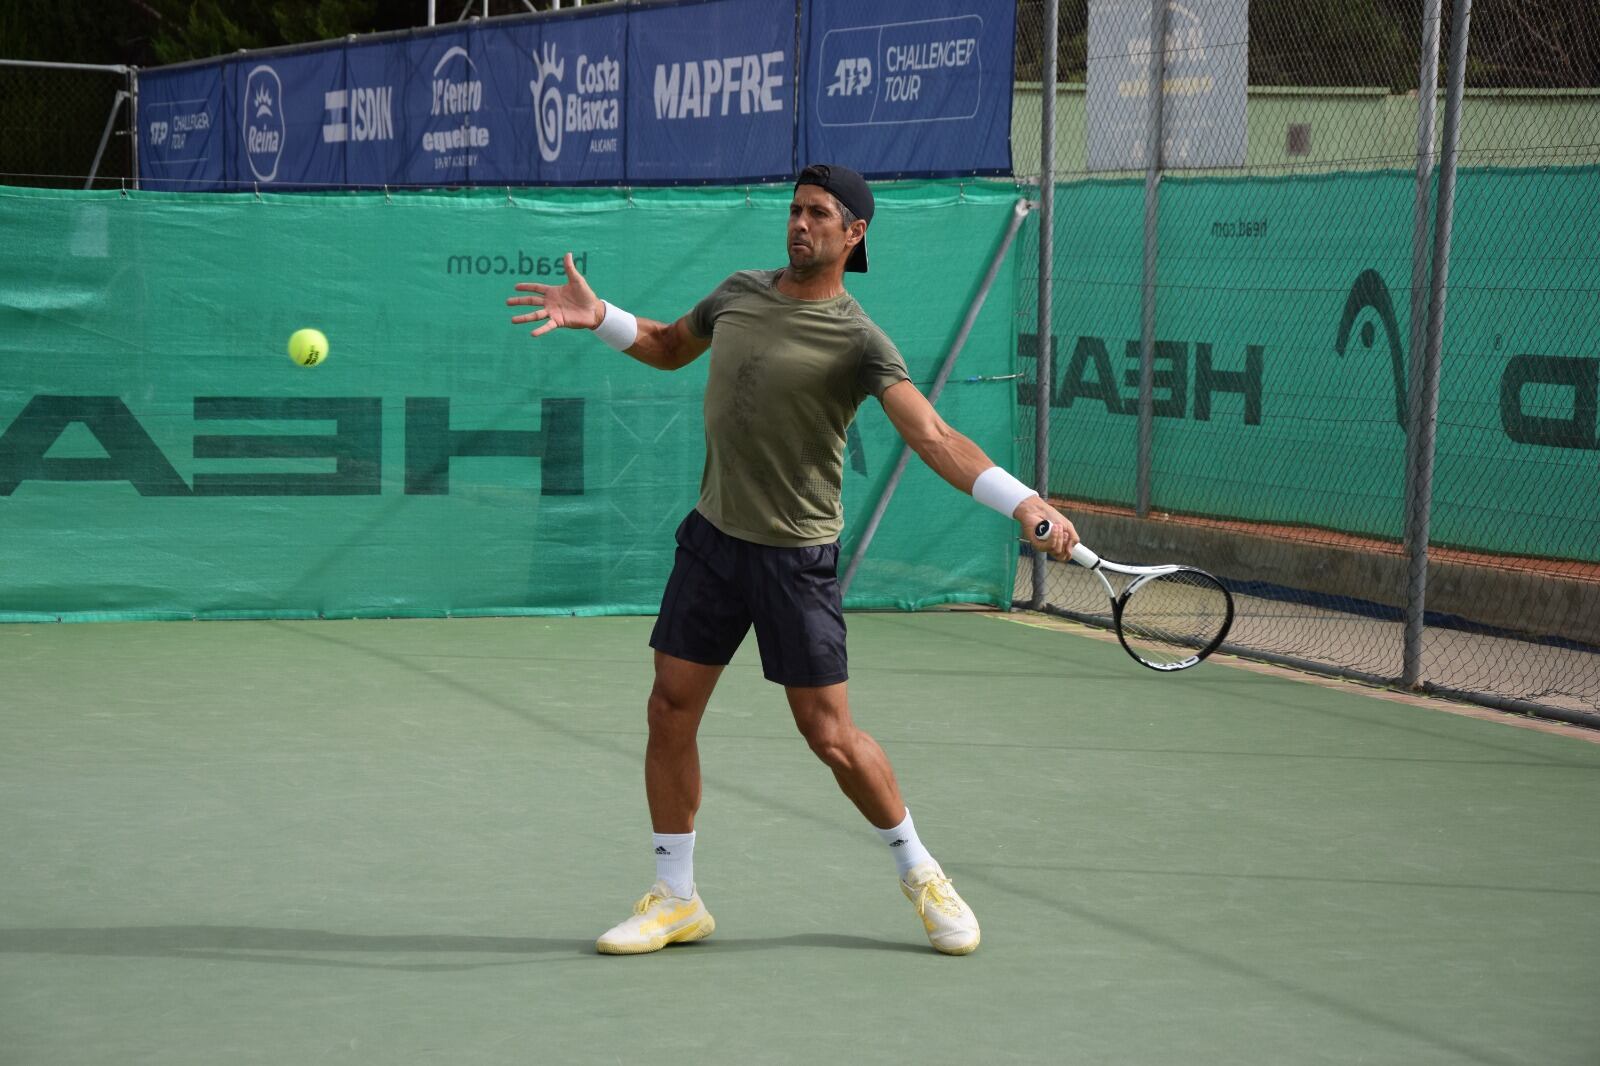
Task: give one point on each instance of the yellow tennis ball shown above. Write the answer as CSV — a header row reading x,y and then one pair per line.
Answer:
x,y
308,347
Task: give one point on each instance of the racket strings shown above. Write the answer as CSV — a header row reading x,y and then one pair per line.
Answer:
x,y
1172,617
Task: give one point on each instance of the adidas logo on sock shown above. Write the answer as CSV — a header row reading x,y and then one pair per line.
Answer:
x,y
662,851
896,844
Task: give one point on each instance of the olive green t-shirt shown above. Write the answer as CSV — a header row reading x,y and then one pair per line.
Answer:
x,y
786,378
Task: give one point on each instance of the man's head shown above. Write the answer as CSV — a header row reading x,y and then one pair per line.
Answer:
x,y
828,219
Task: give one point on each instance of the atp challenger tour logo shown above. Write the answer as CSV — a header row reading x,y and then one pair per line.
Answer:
x,y
1547,400
354,447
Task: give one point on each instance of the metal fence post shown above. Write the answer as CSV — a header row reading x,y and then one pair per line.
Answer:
x,y
1425,419
1047,247
133,122
1018,213
1152,195
1427,97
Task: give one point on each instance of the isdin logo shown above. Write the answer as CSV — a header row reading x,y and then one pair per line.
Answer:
x,y
1369,293
546,86
263,122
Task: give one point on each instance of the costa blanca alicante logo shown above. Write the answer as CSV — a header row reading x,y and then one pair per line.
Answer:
x,y
593,105
263,122
455,96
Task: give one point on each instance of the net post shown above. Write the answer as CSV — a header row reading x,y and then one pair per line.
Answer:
x,y
1424,419
1018,212
1047,248
1147,298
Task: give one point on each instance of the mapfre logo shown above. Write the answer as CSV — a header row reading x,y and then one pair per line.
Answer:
x,y
592,105
263,122
851,77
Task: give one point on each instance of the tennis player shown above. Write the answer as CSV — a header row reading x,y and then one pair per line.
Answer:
x,y
793,357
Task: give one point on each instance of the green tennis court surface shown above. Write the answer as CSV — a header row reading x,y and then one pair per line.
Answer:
x,y
394,842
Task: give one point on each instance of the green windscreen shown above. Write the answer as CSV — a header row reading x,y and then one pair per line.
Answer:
x,y
1283,354
161,456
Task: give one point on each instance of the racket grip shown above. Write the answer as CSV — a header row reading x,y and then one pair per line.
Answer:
x,y
1080,554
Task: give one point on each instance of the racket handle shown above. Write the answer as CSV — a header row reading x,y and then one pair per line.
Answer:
x,y
1080,554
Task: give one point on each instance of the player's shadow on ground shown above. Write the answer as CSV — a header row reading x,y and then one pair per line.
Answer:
x,y
811,940
317,947
294,947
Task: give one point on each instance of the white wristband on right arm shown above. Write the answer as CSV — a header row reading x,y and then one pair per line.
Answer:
x,y
618,329
997,489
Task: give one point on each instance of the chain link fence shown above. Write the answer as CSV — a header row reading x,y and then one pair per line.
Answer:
x,y
66,125
1240,371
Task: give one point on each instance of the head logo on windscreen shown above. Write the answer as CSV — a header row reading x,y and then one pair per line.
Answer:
x,y
1370,294
263,122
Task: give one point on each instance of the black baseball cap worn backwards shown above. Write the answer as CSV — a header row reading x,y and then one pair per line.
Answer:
x,y
851,190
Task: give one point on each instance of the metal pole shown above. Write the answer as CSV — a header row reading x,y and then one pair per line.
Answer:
x,y
1047,249
1018,213
431,12
118,68
1417,584
1427,95
133,121
1152,196
105,135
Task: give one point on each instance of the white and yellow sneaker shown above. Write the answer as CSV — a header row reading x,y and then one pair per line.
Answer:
x,y
951,925
659,919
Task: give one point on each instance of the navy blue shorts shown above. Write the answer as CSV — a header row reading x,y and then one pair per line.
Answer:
x,y
721,585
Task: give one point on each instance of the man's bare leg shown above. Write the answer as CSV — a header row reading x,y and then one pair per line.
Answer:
x,y
672,912
864,773
858,763
671,756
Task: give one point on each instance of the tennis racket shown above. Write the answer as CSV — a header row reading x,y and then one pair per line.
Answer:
x,y
1167,617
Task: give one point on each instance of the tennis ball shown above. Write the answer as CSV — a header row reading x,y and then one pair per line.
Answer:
x,y
308,347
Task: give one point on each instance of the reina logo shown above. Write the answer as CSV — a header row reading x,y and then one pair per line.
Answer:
x,y
263,122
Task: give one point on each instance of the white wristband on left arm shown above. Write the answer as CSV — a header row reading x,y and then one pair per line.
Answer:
x,y
997,489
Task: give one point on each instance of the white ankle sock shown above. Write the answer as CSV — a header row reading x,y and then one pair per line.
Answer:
x,y
675,861
904,845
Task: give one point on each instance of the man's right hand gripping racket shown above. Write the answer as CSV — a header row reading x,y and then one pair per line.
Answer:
x,y
1167,617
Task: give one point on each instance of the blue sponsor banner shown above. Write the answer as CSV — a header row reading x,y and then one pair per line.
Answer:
x,y
277,103
909,87
365,119
711,91
562,84
182,144
450,130
693,91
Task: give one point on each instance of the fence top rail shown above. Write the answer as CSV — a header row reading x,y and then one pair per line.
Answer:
x,y
118,68
1079,87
